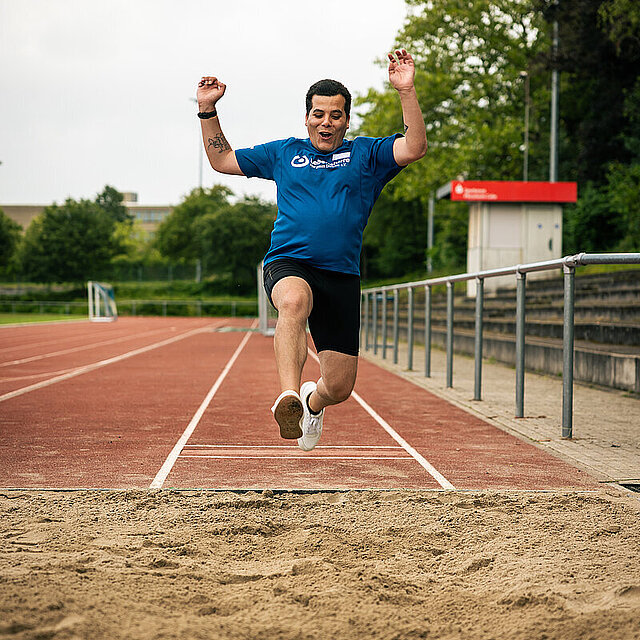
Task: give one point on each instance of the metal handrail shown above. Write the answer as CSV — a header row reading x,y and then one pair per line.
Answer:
x,y
568,264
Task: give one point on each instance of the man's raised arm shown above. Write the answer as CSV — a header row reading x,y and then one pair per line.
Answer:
x,y
401,76
221,156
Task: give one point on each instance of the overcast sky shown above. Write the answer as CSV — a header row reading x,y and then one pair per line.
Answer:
x,y
98,92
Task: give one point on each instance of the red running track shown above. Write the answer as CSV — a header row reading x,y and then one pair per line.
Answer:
x,y
185,403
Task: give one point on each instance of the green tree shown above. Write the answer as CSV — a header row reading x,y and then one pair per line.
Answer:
x,y
71,242
110,201
624,195
621,20
177,238
9,238
469,57
599,58
384,254
235,237
591,224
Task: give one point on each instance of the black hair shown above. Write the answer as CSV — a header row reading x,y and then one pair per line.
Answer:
x,y
329,88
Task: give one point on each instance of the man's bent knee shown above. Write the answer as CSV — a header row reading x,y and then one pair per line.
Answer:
x,y
292,297
339,390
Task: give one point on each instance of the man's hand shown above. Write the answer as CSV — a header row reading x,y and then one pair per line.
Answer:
x,y
402,71
413,145
210,90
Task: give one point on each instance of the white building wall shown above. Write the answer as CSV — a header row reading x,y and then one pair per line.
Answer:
x,y
506,234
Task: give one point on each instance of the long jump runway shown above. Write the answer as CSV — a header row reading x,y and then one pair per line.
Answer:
x,y
185,403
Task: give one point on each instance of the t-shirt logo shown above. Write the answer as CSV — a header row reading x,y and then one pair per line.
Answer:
x,y
300,161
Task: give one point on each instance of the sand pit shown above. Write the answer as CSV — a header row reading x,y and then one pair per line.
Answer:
x,y
168,564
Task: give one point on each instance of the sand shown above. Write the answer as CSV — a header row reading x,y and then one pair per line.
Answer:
x,y
398,564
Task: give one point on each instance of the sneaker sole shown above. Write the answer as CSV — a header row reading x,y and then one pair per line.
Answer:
x,y
288,414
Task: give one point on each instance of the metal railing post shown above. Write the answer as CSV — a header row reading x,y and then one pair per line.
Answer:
x,y
568,263
521,280
366,321
449,334
396,311
567,352
410,329
375,322
477,388
360,322
427,331
384,325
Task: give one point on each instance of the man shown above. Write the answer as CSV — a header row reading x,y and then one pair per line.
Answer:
x,y
326,188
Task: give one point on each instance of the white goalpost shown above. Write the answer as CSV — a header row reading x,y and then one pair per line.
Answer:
x,y
102,302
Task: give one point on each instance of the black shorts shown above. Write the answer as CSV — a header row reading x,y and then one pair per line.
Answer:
x,y
334,321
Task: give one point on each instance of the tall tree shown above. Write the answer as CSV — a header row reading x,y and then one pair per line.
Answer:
x,y
176,237
385,253
469,58
110,200
235,238
9,238
599,66
71,242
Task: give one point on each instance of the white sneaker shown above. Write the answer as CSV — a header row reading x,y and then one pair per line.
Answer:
x,y
311,424
287,410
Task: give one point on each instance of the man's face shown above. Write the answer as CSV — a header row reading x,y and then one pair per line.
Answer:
x,y
327,122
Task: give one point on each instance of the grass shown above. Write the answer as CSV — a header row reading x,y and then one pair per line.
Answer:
x,y
152,290
19,318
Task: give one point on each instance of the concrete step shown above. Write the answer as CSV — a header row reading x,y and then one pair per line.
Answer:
x,y
589,282
601,333
614,310
603,319
604,365
628,293
607,325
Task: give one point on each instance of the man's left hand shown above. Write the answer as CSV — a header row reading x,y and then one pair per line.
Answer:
x,y
402,70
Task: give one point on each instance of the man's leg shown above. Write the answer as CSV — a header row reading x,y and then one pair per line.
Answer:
x,y
293,299
338,377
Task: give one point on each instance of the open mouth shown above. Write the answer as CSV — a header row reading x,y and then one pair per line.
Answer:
x,y
325,135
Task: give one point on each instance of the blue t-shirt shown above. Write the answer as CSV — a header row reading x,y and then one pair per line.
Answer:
x,y
324,199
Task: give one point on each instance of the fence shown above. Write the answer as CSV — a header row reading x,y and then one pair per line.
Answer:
x,y
371,298
139,307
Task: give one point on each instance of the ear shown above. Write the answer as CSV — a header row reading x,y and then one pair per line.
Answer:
x,y
348,121
306,119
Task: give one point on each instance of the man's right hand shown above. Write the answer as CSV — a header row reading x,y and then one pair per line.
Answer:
x,y
210,90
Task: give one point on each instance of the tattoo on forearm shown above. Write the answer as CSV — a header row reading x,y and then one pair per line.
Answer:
x,y
405,128
218,142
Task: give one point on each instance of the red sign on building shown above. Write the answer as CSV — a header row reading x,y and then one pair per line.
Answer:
x,y
506,191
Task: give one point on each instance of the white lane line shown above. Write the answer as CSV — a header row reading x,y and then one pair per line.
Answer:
x,y
38,375
161,476
81,348
420,459
101,363
302,458
22,345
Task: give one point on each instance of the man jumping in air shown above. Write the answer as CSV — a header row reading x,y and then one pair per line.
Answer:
x,y
326,189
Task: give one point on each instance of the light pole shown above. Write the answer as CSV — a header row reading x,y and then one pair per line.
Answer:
x,y
525,164
555,97
199,147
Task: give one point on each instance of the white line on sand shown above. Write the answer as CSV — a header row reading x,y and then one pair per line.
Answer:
x,y
161,476
421,460
101,363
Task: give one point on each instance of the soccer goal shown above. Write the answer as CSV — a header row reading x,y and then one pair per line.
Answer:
x,y
102,302
266,313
